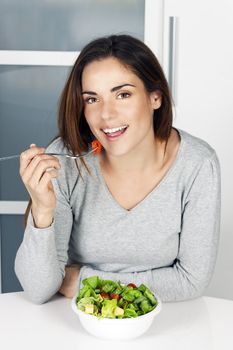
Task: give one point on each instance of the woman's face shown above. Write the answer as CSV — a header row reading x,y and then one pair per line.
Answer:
x,y
117,108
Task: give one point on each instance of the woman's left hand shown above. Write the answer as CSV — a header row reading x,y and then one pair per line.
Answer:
x,y
69,284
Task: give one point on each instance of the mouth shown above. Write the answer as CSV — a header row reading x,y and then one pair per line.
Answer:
x,y
114,133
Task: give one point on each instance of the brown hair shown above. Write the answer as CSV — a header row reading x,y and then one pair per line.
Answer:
x,y
135,55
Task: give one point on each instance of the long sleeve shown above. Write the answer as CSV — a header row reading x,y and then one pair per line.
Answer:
x,y
193,268
41,258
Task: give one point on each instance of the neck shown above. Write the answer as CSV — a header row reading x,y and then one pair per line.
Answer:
x,y
148,154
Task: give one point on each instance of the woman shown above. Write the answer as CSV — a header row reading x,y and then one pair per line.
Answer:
x,y
146,209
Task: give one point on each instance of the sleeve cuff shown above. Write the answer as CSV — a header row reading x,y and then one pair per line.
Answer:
x,y
31,224
39,235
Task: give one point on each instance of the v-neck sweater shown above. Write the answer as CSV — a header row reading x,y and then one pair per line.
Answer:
x,y
168,241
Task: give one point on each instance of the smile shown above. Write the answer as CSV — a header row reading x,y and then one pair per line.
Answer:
x,y
115,133
113,130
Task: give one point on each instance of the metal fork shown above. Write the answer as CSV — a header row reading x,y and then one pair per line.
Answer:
x,y
54,154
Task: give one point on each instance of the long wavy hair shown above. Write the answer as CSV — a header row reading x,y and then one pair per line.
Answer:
x,y
135,55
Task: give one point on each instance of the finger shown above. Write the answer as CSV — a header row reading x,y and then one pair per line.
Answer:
x,y
31,168
40,170
27,156
45,179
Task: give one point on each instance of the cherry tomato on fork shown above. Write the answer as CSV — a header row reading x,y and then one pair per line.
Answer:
x,y
96,145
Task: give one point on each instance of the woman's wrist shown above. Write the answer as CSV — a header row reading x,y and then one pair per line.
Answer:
x,y
70,281
42,218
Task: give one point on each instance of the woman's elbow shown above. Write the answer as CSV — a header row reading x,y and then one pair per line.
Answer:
x,y
35,292
195,290
36,299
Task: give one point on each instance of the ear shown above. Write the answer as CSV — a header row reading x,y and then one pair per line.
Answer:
x,y
156,99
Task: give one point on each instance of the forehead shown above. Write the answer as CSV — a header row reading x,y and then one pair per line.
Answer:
x,y
108,72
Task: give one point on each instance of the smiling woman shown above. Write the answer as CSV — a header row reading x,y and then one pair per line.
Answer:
x,y
113,132
106,68
121,117
145,209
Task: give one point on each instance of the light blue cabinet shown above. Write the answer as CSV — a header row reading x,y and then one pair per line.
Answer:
x,y
28,104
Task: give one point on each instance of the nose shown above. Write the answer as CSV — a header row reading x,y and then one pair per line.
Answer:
x,y
108,111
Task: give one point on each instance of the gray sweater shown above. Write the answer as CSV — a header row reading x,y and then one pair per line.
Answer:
x,y
168,241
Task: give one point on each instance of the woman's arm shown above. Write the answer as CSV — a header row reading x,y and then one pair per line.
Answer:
x,y
69,284
194,266
41,258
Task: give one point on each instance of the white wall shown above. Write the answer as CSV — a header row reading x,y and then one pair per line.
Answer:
x,y
204,89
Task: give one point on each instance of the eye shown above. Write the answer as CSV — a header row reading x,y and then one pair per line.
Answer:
x,y
123,95
90,100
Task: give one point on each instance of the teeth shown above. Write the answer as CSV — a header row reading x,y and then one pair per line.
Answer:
x,y
109,131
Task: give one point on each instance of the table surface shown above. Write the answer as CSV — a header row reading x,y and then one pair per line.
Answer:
x,y
203,323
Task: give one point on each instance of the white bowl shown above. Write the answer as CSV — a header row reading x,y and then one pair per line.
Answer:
x,y
116,329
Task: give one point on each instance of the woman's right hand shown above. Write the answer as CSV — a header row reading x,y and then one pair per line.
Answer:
x,y
33,165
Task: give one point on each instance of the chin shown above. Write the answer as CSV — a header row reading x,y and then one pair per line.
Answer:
x,y
118,151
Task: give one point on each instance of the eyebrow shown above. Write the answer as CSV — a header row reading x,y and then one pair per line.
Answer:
x,y
112,90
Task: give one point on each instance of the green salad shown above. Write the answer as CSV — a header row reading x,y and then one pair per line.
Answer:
x,y
111,299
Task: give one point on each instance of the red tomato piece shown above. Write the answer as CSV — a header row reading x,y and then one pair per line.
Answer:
x,y
132,285
105,295
115,296
96,146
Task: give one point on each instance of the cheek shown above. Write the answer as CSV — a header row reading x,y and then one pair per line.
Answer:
x,y
91,115
141,113
130,111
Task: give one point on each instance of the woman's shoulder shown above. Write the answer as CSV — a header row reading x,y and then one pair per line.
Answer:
x,y
198,158
70,166
195,147
56,146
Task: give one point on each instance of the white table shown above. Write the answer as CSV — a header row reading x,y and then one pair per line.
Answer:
x,y
204,323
